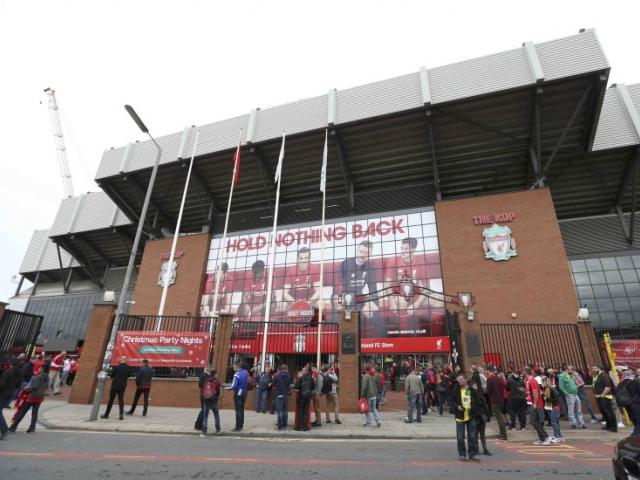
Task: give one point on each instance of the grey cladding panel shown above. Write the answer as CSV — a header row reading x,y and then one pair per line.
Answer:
x,y
501,71
301,116
96,213
614,127
571,56
380,98
42,255
218,136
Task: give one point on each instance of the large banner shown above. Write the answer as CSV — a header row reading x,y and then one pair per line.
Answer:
x,y
627,352
162,349
361,256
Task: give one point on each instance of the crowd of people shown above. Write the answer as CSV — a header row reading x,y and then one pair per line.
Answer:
x,y
27,381
309,387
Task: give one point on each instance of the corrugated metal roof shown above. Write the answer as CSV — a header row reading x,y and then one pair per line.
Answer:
x,y
42,255
583,236
562,58
91,211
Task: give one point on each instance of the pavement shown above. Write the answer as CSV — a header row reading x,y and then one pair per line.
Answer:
x,y
60,415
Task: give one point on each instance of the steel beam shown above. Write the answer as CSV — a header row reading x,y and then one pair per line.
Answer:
x,y
265,174
626,174
535,149
19,287
349,186
434,158
119,201
68,280
633,202
84,261
487,128
568,126
94,248
64,287
169,219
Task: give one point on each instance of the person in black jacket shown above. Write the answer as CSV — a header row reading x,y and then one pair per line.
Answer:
x,y
633,388
465,400
482,414
9,381
516,403
143,387
119,376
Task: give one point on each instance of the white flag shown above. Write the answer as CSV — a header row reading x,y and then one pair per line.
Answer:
x,y
323,172
280,158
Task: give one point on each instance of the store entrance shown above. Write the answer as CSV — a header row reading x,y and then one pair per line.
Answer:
x,y
395,368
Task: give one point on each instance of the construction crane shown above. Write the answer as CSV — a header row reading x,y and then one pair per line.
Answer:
x,y
61,150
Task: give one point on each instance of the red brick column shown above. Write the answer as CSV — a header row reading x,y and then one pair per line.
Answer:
x,y
3,306
349,381
95,345
589,343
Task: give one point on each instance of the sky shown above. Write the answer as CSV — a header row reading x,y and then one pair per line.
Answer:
x,y
190,62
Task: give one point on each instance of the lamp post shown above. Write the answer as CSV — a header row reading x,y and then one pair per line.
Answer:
x,y
102,375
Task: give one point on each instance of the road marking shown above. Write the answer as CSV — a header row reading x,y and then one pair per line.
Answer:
x,y
25,454
131,457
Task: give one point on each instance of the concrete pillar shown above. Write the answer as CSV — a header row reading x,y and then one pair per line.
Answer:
x,y
93,350
470,340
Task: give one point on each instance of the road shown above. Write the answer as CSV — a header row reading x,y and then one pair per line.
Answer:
x,y
84,455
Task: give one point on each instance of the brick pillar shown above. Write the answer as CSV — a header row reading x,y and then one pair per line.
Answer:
x,y
93,350
221,344
3,306
349,364
470,340
587,338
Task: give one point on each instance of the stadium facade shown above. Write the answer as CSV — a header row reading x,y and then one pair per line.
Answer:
x,y
512,177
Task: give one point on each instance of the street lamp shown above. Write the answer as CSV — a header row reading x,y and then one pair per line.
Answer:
x,y
102,375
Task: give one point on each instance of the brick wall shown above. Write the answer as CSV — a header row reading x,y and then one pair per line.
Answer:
x,y
95,344
183,297
536,285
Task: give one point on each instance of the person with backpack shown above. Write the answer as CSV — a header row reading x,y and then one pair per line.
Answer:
x,y
210,389
305,387
482,415
239,386
628,397
330,392
574,408
465,402
442,390
265,380
369,387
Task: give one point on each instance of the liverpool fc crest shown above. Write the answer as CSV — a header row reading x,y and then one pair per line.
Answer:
x,y
498,243
171,275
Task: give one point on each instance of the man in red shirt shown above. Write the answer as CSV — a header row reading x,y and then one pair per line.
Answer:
x,y
536,407
255,293
301,282
56,371
496,389
225,291
408,265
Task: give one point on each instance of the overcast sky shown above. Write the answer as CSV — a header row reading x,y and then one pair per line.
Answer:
x,y
186,62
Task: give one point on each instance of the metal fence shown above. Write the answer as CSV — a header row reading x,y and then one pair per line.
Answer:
x,y
168,323
515,345
630,332
18,334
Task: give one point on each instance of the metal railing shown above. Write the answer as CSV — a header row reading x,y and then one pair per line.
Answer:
x,y
541,345
629,332
18,334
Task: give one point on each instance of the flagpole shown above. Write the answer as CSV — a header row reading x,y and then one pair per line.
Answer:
x,y
176,234
272,257
223,250
323,186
